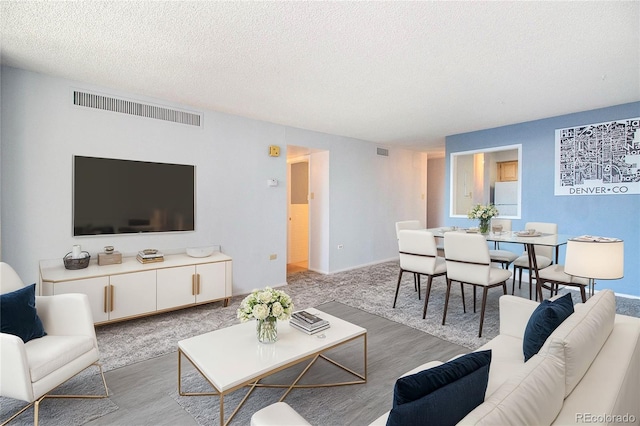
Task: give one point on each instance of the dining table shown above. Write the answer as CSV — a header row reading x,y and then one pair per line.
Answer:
x,y
528,239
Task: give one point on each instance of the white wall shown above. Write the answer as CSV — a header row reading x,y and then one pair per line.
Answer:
x,y
41,131
435,189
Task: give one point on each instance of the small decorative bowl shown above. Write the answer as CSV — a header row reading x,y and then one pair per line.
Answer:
x,y
200,251
79,263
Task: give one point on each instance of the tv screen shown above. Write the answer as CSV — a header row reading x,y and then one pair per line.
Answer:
x,y
113,196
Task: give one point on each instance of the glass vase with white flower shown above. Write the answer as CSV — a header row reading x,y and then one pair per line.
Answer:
x,y
483,213
267,306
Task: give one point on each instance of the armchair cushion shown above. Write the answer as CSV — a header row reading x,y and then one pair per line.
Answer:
x,y
441,395
54,352
546,318
18,315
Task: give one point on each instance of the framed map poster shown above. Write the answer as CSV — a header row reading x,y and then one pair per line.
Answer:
x,y
598,159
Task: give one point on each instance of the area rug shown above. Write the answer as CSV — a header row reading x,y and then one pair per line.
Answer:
x,y
64,411
352,404
370,288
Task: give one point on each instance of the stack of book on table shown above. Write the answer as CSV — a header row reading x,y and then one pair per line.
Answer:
x,y
149,256
308,323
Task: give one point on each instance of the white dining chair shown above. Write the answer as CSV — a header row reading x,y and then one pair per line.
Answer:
x,y
409,224
419,255
555,276
545,255
503,257
468,262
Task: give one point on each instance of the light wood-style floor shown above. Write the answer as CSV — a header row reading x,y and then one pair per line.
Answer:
x,y
142,390
297,267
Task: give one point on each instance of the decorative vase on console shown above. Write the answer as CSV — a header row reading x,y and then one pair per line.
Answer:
x,y
267,306
483,214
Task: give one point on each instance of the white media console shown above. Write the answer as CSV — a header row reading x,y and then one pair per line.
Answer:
x,y
132,289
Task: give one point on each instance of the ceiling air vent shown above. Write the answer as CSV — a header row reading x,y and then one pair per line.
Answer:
x,y
383,151
123,106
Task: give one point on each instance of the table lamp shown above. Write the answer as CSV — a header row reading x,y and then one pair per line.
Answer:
x,y
595,258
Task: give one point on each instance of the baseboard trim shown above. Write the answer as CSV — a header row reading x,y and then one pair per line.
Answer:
x,y
351,268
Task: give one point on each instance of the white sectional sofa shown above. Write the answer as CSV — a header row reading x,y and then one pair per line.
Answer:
x,y
587,371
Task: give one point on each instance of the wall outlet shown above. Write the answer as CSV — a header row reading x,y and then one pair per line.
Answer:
x,y
273,256
340,246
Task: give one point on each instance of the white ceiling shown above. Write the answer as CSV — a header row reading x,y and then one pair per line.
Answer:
x,y
393,72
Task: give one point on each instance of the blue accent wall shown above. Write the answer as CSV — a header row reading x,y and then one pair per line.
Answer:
x,y
604,215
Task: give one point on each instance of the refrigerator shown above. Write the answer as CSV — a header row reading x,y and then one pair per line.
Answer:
x,y
505,198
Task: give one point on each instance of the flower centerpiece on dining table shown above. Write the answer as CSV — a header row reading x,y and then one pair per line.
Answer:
x,y
483,214
267,306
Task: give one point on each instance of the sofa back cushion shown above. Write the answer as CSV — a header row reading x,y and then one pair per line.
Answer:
x,y
583,334
532,396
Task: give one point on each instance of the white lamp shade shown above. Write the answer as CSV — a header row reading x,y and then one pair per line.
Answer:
x,y
598,259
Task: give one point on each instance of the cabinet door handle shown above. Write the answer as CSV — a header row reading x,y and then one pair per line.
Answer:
x,y
105,299
198,285
112,304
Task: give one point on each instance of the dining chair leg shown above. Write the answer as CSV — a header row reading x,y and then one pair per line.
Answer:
x,y
415,281
504,287
474,299
464,306
538,291
513,282
520,278
484,304
397,287
418,275
583,294
426,296
446,301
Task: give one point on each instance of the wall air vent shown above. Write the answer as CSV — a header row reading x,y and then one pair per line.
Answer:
x,y
107,103
383,151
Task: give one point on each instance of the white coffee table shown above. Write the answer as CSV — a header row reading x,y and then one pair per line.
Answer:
x,y
243,361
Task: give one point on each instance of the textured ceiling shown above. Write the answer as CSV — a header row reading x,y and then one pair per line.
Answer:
x,y
406,73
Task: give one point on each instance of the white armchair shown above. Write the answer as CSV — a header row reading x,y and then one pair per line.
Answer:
x,y
29,371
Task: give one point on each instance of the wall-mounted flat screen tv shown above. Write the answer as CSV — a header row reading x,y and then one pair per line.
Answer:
x,y
112,196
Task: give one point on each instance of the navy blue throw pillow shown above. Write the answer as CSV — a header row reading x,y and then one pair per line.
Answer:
x,y
442,395
546,318
18,314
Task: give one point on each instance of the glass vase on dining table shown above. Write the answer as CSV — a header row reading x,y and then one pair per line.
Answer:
x,y
484,226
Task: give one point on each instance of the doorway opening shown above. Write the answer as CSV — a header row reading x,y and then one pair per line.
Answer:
x,y
298,214
307,209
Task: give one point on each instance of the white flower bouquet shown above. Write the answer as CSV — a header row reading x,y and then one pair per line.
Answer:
x,y
265,304
483,214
